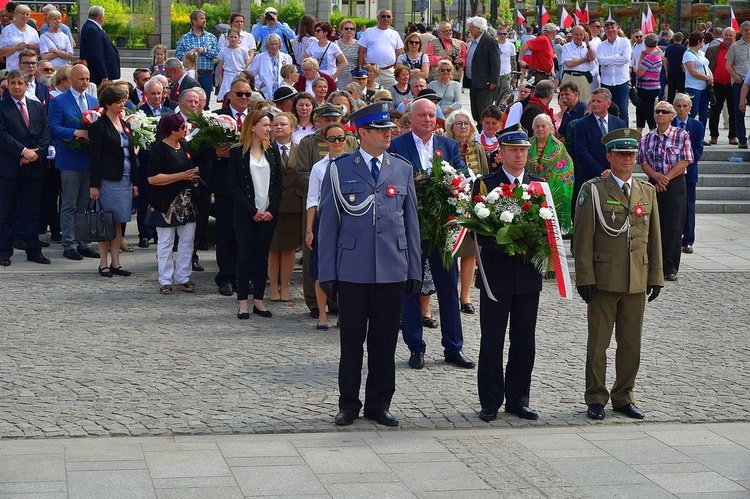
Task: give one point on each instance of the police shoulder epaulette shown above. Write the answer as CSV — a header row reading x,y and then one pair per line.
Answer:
x,y
338,158
397,155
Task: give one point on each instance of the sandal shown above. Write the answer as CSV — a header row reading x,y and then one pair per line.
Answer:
x,y
120,271
187,287
321,327
165,289
430,322
127,249
105,272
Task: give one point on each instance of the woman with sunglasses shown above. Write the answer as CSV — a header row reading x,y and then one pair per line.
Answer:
x,y
326,52
335,140
256,182
447,88
414,58
350,48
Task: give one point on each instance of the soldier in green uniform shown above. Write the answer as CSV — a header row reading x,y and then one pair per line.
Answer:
x,y
310,150
618,262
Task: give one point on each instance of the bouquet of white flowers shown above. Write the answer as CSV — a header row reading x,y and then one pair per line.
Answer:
x,y
143,129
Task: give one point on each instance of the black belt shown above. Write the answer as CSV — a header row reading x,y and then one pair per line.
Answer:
x,y
577,73
205,71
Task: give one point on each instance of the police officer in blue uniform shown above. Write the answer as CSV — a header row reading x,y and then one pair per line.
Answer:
x,y
369,250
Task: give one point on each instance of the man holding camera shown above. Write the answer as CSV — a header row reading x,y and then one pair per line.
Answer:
x,y
446,47
260,32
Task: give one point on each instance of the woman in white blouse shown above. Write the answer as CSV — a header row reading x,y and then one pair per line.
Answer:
x,y
267,65
326,52
335,140
18,36
54,45
256,182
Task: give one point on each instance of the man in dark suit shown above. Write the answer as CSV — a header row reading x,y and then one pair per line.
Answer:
x,y
482,66
226,247
178,77
418,147
591,158
24,139
695,129
513,297
66,125
141,76
372,260
97,50
154,106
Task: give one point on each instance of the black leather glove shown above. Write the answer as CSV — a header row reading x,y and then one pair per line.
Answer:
x,y
587,292
330,288
653,292
413,287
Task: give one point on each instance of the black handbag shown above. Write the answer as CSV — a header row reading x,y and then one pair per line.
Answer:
x,y
94,224
635,99
711,95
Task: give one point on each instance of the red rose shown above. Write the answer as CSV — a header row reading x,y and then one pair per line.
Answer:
x,y
439,153
127,130
478,199
187,155
390,191
526,206
507,190
456,181
451,218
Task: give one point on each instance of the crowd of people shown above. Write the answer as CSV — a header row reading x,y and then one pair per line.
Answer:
x,y
326,114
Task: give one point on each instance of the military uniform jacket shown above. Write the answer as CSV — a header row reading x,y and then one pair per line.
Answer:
x,y
613,263
381,246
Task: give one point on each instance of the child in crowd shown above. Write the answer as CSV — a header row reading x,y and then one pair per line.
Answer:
x,y
159,56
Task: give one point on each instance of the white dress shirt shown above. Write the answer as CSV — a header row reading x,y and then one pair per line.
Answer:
x,y
571,51
425,152
614,60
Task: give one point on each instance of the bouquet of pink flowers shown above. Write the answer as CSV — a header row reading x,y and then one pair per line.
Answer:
x,y
87,119
441,193
515,217
213,130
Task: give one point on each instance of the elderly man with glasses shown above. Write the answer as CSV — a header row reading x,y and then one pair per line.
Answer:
x,y
445,47
381,45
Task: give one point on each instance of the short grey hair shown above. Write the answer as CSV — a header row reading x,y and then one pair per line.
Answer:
x,y
478,22
54,13
272,36
550,27
17,73
682,96
603,91
151,83
545,118
666,104
96,11
173,63
187,92
745,24
651,40
48,7
444,25
544,89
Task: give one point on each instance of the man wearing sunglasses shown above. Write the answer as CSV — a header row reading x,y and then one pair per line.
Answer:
x,y
639,46
368,247
507,61
381,45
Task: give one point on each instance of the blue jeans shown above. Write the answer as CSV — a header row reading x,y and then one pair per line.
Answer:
x,y
206,81
739,117
620,97
700,104
74,197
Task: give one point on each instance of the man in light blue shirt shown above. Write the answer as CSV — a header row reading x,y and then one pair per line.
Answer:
x,y
260,32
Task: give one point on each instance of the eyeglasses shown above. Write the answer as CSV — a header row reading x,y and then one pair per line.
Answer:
x,y
414,42
386,16
445,70
48,70
502,34
348,29
462,124
28,63
662,111
596,25
638,37
336,138
243,94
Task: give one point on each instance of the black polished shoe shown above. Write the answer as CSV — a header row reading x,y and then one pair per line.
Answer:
x,y
262,313
687,249
383,417
416,360
225,289
595,411
671,277
197,267
72,254
467,308
19,244
89,253
4,261
143,242
38,259
459,359
631,411
345,417
488,414
120,271
242,315
522,412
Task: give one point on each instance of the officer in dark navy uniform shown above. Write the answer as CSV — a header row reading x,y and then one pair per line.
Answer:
x,y
369,249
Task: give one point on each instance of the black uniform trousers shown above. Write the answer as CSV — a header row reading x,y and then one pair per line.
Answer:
x,y
226,246
521,309
672,217
368,312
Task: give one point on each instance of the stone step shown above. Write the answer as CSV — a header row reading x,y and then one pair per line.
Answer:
x,y
712,206
723,180
723,167
721,153
727,194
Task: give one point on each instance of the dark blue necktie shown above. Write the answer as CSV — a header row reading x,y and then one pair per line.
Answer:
x,y
374,168
682,125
